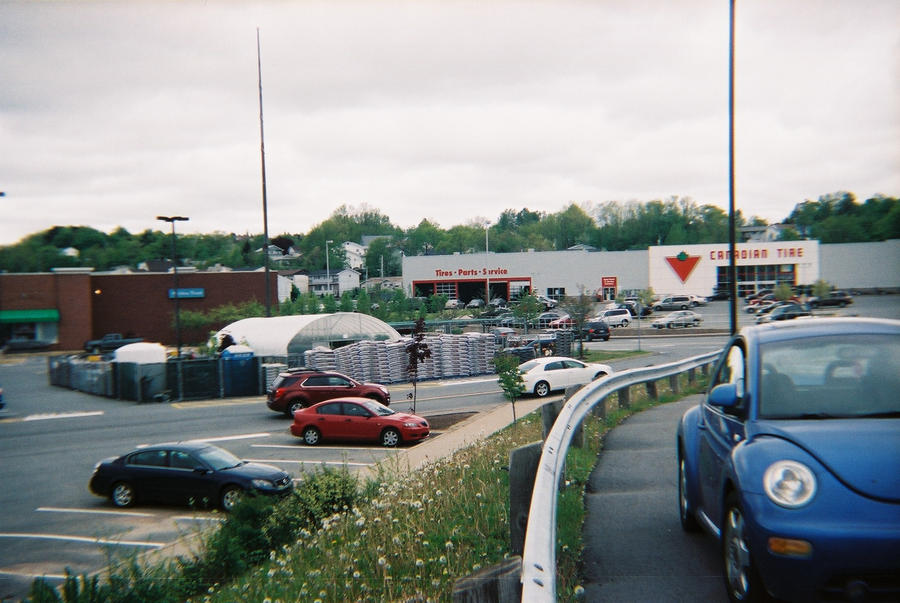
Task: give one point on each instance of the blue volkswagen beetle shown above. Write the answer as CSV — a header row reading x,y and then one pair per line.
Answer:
x,y
793,461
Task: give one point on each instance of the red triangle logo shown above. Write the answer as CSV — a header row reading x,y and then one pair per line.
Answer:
x,y
683,264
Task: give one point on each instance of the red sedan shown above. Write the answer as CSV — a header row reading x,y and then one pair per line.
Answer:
x,y
358,419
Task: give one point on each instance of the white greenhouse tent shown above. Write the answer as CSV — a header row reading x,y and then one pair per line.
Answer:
x,y
141,353
282,335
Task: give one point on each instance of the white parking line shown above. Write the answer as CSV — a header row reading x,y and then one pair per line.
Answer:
x,y
245,436
62,415
65,538
299,446
309,462
94,511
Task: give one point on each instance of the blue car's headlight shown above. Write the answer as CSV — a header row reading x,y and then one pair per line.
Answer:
x,y
789,484
262,484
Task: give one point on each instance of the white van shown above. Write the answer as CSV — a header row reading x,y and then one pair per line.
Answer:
x,y
617,317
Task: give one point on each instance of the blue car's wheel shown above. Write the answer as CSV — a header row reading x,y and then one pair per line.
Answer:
x,y
688,521
741,578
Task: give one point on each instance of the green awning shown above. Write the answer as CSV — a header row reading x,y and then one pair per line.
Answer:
x,y
19,316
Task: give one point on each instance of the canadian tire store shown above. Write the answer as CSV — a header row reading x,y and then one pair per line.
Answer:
x,y
672,269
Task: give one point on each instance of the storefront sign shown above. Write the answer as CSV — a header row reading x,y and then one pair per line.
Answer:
x,y
757,253
191,293
683,264
608,281
471,272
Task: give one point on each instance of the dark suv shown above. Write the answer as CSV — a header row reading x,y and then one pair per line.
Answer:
x,y
595,329
304,387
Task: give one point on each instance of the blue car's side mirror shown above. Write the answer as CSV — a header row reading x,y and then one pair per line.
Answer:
x,y
724,395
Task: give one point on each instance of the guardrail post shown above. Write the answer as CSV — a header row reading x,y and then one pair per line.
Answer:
x,y
523,464
704,370
500,583
692,376
651,390
674,384
624,396
551,410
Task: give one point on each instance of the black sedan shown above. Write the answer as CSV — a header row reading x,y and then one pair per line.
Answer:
x,y
194,473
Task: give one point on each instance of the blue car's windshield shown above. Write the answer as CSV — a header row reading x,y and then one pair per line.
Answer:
x,y
218,458
830,377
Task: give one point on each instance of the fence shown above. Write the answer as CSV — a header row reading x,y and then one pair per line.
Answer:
x,y
539,556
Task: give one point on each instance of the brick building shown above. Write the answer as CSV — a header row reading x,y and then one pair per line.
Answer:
x,y
62,309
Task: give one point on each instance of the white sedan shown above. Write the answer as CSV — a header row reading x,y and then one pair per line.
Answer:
x,y
682,318
543,375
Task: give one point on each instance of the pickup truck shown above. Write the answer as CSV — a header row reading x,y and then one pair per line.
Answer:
x,y
109,342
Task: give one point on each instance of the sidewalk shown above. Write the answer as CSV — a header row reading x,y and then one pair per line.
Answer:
x,y
464,433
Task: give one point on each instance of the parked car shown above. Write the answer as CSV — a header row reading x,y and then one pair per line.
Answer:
x,y
616,317
698,300
835,298
784,311
676,302
682,318
453,304
109,342
632,305
2,403
543,375
792,461
549,303
758,294
296,389
475,302
566,322
753,305
184,473
357,419
545,318
595,329
499,302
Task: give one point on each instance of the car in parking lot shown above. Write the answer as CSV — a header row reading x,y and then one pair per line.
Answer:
x,y
357,419
475,302
299,388
545,318
544,375
783,311
673,320
453,304
184,473
595,329
675,302
792,461
616,317
835,298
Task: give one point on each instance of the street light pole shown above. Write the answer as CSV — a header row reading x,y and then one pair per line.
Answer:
x,y
171,220
487,282
327,266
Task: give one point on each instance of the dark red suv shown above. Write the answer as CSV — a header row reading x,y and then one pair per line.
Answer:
x,y
300,388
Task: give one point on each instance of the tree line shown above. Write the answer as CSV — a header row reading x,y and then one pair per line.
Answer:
x,y
610,226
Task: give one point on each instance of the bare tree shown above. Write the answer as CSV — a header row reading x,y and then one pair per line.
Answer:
x,y
417,351
579,308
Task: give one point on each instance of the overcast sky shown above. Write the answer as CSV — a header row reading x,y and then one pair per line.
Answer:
x,y
112,113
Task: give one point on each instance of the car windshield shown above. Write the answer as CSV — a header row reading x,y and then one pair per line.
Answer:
x,y
830,377
378,409
218,458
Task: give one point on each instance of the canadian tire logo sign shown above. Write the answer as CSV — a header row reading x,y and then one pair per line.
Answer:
x,y
683,264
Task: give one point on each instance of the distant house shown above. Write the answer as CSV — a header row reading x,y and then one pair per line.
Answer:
x,y
277,254
322,282
354,253
760,234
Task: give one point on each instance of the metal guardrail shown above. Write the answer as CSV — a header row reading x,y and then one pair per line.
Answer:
x,y
539,555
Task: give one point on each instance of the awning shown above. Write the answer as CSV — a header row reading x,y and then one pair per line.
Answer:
x,y
19,316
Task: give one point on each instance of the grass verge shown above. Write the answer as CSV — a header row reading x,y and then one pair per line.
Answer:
x,y
395,537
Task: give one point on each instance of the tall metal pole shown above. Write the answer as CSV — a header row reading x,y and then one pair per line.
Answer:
x,y
327,266
262,153
732,261
171,220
